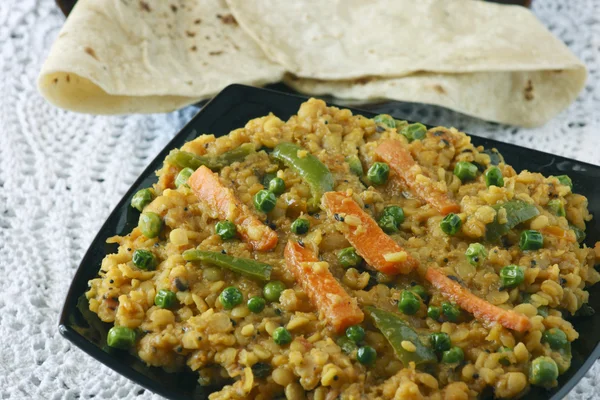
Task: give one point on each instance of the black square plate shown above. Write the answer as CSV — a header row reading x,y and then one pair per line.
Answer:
x,y
231,109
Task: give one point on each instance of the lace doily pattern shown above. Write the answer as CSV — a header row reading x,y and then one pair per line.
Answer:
x,y
62,173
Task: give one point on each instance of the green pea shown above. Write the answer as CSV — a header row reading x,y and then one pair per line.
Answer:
x,y
433,312
409,303
476,254
347,345
282,336
511,276
120,337
450,311
226,229
277,186
465,171
493,177
451,224
386,120
264,201
300,226
183,176
391,219
355,333
556,207
272,290
388,224
256,304
348,257
414,131
543,371
556,338
440,341
396,212
150,224
453,356
378,173
531,240
165,298
231,297
565,180
355,165
144,259
421,292
366,355
141,199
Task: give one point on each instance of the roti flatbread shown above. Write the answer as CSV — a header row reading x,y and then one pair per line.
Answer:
x,y
126,56
345,39
525,98
492,61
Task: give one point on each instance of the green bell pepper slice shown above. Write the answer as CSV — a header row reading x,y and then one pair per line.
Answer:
x,y
245,266
355,165
183,159
396,330
310,168
517,211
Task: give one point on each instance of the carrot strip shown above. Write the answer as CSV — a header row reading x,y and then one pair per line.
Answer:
x,y
480,308
378,249
559,233
403,164
324,291
208,188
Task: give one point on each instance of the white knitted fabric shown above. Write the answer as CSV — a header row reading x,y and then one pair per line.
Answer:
x,y
62,173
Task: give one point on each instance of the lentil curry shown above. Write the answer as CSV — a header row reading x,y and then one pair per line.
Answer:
x,y
336,256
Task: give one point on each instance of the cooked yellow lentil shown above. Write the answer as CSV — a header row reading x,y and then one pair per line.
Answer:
x,y
236,350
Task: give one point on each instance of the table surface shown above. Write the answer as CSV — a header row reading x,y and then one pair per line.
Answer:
x,y
61,174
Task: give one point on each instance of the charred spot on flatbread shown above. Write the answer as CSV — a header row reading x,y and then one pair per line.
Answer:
x,y
90,51
227,19
145,6
528,91
364,80
439,88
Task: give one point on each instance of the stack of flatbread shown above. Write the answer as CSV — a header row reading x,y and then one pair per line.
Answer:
x,y
491,61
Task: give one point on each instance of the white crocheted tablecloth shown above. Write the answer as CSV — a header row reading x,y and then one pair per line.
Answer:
x,y
62,173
